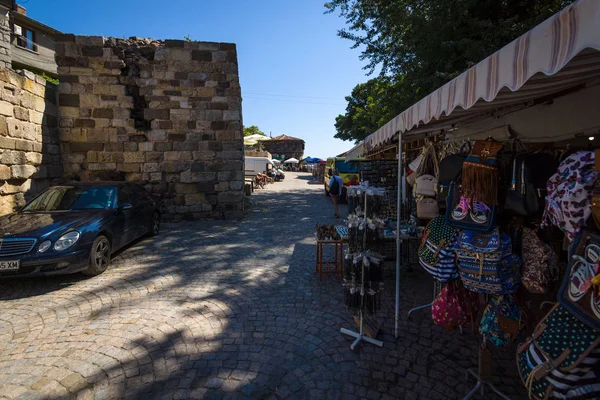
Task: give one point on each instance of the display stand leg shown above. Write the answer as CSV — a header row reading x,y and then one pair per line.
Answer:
x,y
437,287
481,384
360,336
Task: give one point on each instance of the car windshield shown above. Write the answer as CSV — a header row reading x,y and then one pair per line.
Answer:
x,y
346,167
65,198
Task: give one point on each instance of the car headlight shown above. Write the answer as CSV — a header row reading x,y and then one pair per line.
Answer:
x,y
44,246
67,240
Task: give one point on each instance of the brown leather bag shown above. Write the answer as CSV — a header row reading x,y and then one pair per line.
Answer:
x,y
596,193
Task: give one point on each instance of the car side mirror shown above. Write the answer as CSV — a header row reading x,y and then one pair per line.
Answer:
x,y
124,206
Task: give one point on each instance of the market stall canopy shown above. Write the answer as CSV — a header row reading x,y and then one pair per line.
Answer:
x,y
313,160
254,139
291,161
557,56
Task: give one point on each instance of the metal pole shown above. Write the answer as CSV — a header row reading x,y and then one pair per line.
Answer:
x,y
398,222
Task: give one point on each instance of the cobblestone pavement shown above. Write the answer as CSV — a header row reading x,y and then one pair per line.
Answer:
x,y
226,310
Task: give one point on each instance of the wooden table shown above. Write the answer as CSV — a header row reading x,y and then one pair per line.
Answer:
x,y
337,261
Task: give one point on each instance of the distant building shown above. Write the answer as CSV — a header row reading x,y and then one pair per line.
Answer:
x,y
31,42
284,147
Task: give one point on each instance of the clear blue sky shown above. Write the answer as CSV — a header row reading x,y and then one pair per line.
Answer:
x,y
294,70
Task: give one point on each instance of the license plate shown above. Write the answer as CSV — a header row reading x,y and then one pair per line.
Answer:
x,y
9,265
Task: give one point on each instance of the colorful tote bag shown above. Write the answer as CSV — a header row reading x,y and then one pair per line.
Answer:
x,y
454,306
540,263
569,199
580,289
501,320
486,263
436,252
562,358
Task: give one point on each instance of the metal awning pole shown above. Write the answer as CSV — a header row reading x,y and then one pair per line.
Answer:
x,y
400,192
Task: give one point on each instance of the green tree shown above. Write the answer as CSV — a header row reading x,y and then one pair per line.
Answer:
x,y
253,130
424,44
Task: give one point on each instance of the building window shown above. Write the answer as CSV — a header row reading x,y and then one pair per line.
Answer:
x,y
27,40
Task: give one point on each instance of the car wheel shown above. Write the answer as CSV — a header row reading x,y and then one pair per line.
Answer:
x,y
99,257
155,224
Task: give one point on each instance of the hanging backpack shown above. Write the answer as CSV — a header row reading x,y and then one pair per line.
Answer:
x,y
527,188
561,359
480,172
568,203
501,321
450,168
454,306
464,212
436,252
540,263
427,173
580,289
486,263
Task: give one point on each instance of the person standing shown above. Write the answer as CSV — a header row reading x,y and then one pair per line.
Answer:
x,y
335,190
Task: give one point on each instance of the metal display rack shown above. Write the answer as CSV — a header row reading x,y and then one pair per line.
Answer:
x,y
360,334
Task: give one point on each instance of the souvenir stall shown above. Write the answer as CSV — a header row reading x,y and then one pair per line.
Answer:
x,y
516,201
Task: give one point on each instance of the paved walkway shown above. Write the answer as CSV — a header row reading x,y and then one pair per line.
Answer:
x,y
225,310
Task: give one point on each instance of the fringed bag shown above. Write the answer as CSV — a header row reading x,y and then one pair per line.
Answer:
x,y
480,172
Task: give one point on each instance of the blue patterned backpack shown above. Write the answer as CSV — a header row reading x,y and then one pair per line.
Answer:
x,y
436,252
486,262
562,358
501,320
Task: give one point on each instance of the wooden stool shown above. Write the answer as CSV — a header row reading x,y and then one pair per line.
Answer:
x,y
336,262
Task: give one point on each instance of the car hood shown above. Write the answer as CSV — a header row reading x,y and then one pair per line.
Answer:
x,y
45,224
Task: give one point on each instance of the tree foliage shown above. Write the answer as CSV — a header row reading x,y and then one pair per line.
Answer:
x,y
253,130
423,44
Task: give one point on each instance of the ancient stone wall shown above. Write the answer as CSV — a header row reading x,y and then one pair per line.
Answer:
x,y
5,57
163,114
29,149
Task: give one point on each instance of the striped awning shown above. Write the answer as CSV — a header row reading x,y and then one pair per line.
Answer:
x,y
560,54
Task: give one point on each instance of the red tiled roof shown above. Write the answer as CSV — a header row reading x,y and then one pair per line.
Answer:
x,y
286,137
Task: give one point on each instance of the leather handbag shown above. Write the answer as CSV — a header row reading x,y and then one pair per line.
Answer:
x,y
427,173
425,185
427,208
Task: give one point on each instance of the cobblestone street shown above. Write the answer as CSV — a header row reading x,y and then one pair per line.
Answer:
x,y
227,309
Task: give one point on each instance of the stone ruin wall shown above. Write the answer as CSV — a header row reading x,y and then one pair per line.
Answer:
x,y
164,114
30,158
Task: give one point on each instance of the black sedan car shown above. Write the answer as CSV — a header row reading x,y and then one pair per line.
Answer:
x,y
73,228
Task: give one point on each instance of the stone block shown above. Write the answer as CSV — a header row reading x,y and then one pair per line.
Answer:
x,y
156,114
222,186
150,167
22,171
6,109
218,125
202,55
206,186
84,147
190,177
133,157
230,197
146,146
4,174
97,135
196,198
231,115
185,146
163,146
176,137
156,177
102,166
130,146
178,156
128,167
236,185
102,113
70,112
7,143
186,188
33,158
68,100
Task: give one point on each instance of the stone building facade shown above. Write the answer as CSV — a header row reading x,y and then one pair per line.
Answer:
x,y
166,114
30,159
284,147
